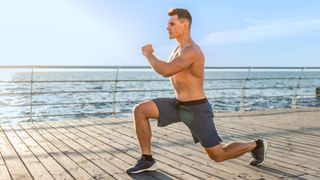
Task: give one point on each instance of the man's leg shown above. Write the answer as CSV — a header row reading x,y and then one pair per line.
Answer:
x,y
257,148
141,114
221,153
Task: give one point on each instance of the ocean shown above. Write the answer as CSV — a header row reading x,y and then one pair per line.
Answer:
x,y
77,94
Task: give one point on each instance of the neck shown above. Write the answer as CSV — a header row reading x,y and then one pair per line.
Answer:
x,y
184,40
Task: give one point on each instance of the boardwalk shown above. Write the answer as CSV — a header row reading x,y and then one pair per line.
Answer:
x,y
105,148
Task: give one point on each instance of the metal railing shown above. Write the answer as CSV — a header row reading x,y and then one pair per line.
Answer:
x,y
31,88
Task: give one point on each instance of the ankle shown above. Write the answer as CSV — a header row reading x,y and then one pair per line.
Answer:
x,y
147,157
258,144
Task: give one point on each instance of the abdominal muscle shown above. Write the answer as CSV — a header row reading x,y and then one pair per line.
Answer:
x,y
187,87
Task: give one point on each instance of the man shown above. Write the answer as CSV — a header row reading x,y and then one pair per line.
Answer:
x,y
185,68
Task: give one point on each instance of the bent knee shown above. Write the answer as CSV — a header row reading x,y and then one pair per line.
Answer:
x,y
216,158
216,153
138,109
147,109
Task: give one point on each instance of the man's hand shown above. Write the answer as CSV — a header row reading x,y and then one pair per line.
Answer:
x,y
147,50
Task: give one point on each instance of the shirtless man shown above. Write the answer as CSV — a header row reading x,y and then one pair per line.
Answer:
x,y
185,68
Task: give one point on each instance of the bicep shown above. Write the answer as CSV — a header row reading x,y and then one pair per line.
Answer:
x,y
180,63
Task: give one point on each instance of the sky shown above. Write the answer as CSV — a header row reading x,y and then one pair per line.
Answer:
x,y
111,33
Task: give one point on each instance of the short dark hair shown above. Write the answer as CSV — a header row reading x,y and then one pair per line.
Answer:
x,y
181,13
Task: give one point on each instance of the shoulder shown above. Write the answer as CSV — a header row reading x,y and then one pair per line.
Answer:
x,y
192,50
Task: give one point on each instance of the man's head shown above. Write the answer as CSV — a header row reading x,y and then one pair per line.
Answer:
x,y
179,22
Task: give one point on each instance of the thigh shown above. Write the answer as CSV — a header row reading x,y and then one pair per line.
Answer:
x,y
167,108
202,125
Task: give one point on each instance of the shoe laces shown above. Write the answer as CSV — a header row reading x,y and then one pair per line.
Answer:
x,y
140,160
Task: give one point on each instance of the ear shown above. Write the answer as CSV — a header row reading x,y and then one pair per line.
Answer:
x,y
185,25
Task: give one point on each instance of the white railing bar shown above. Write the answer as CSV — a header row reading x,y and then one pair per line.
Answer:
x,y
140,67
31,91
244,89
115,93
295,90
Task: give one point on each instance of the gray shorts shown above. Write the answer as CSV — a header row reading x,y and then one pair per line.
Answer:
x,y
197,115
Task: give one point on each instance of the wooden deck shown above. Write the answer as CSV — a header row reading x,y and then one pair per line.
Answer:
x,y
105,148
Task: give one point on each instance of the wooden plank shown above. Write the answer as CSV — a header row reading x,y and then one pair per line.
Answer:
x,y
112,163
69,147
285,164
130,153
276,159
286,172
121,152
198,156
283,161
306,176
4,173
84,150
305,123
14,164
243,133
296,161
31,162
247,126
68,164
203,159
286,140
249,136
284,143
87,150
44,157
281,135
261,124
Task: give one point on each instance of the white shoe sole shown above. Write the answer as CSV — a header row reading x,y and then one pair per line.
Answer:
x,y
265,144
152,168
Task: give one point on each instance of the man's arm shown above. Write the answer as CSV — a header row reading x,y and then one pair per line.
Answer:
x,y
167,69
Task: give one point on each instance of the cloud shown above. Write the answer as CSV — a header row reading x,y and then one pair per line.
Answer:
x,y
269,30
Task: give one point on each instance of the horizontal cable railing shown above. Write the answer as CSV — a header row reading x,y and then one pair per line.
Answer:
x,y
65,91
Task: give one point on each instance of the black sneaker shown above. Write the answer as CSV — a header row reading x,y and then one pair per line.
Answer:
x,y
259,153
142,165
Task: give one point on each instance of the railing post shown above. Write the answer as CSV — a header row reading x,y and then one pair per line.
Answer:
x,y
31,93
243,90
115,93
295,90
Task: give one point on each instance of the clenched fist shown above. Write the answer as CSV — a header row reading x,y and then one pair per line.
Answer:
x,y
147,50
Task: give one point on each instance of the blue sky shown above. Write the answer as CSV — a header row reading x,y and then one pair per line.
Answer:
x,y
105,32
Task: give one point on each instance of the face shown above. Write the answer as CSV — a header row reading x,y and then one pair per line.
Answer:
x,y
174,27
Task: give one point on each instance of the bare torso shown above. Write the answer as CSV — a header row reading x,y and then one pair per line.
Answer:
x,y
188,84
